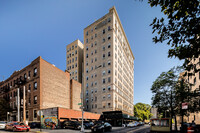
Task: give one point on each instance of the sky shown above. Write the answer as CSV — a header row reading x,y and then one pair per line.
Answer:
x,y
32,28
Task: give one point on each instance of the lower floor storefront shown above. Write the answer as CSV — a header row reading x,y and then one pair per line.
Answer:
x,y
117,118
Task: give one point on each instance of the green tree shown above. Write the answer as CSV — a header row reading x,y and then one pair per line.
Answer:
x,y
142,111
169,92
4,108
180,28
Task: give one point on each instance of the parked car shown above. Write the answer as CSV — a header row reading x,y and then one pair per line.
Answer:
x,y
34,125
2,124
72,125
101,127
17,126
133,124
87,124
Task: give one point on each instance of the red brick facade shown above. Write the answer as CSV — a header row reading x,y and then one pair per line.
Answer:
x,y
46,87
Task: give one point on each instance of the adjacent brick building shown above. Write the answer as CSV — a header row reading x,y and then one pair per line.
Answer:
x,y
46,87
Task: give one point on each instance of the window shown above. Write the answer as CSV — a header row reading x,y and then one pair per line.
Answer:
x,y
109,37
92,45
29,73
35,71
95,98
104,97
87,78
95,75
87,100
95,83
95,105
103,89
35,99
75,58
26,114
87,92
91,37
109,19
91,53
195,80
92,84
87,48
92,91
87,70
35,85
108,104
72,47
75,45
104,73
24,76
103,40
109,28
109,88
103,48
86,40
95,35
103,31
35,113
109,79
86,86
109,45
76,52
109,63
95,43
87,33
108,96
103,56
86,55
109,71
29,88
104,81
108,54
95,51
103,64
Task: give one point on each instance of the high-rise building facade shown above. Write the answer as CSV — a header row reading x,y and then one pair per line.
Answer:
x,y
108,79
75,60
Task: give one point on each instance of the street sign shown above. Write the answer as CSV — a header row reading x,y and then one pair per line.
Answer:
x,y
184,105
79,103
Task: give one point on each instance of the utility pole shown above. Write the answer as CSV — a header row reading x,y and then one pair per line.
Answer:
x,y
18,105
24,105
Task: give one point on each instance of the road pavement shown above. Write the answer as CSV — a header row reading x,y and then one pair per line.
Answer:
x,y
140,129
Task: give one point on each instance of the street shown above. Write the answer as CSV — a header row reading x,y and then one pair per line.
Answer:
x,y
140,129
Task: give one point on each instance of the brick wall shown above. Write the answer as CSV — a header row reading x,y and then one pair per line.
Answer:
x,y
75,95
55,85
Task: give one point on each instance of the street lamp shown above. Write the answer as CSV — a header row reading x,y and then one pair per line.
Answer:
x,y
7,115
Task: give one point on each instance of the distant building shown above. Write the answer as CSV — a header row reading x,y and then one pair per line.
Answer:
x,y
75,60
194,80
46,87
108,80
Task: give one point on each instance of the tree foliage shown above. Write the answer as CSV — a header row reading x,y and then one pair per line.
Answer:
x,y
4,108
180,28
142,111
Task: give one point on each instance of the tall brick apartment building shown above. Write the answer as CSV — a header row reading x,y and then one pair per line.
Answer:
x,y
108,81
46,87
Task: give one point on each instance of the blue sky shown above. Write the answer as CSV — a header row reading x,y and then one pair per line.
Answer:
x,y
32,28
